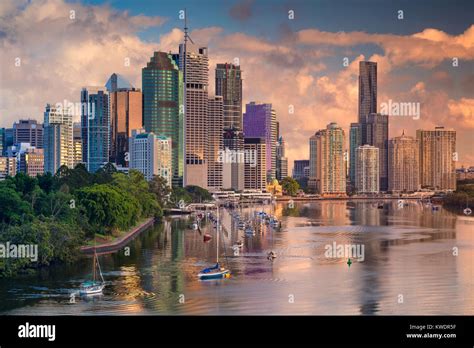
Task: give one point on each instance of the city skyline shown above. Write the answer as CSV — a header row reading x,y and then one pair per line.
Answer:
x,y
318,86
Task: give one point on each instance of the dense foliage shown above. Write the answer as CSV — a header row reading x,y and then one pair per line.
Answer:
x,y
290,186
462,198
58,213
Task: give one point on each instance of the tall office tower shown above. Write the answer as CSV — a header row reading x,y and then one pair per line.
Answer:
x,y
367,169
58,138
260,122
125,115
233,166
7,167
215,143
437,158
282,161
229,86
298,168
77,143
151,154
9,137
95,121
255,170
28,131
326,158
367,94
163,109
403,164
355,140
195,67
376,126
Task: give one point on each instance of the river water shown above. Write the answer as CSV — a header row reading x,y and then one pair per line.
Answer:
x,y
415,261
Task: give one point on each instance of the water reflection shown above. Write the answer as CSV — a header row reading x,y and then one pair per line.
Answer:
x,y
408,251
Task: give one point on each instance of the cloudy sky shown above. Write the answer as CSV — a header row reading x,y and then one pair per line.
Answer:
x,y
299,62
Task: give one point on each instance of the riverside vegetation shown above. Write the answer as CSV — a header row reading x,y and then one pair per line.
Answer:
x,y
60,213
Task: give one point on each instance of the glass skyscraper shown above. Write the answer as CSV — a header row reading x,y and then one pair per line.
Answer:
x,y
95,121
229,86
163,110
367,93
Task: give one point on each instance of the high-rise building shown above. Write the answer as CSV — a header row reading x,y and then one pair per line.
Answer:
x,y
58,138
215,143
125,115
260,122
233,168
282,161
2,140
367,94
298,168
403,164
367,169
195,67
326,158
77,143
163,106
229,86
95,121
255,171
151,154
28,131
376,126
437,158
7,167
355,140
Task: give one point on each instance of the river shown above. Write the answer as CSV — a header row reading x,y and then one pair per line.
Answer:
x,y
415,261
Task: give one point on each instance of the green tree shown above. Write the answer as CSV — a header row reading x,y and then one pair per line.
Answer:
x,y
198,194
290,186
159,187
109,208
13,210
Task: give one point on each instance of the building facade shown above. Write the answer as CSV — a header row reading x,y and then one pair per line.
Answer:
x,y
125,115
403,164
229,86
7,167
327,168
95,122
437,149
260,122
58,138
367,94
255,171
195,67
298,168
367,169
233,167
163,106
377,135
77,143
355,140
282,160
28,131
215,143
151,154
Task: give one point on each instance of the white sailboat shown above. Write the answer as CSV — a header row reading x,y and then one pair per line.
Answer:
x,y
94,286
215,272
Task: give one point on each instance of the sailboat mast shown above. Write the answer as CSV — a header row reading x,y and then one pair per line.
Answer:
x,y
217,253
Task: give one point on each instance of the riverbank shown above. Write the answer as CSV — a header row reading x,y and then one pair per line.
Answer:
x,y
120,242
